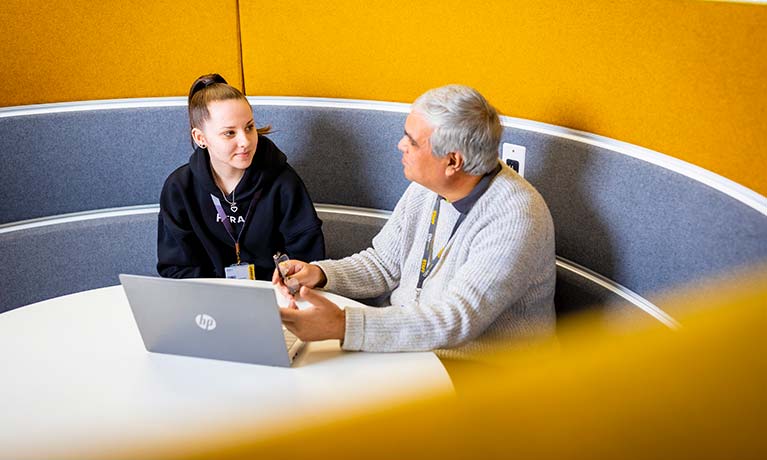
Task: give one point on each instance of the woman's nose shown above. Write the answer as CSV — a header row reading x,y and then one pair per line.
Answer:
x,y
242,139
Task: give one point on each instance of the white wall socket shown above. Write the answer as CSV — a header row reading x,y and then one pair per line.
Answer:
x,y
516,153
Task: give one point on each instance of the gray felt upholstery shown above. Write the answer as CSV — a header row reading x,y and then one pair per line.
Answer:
x,y
645,227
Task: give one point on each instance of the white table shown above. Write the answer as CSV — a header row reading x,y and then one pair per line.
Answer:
x,y
76,380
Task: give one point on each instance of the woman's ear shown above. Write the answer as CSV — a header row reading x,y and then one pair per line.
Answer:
x,y
199,138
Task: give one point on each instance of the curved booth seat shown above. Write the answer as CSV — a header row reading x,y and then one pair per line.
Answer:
x,y
70,158
64,256
68,254
625,217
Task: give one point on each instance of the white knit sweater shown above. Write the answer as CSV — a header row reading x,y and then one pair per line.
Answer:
x,y
493,286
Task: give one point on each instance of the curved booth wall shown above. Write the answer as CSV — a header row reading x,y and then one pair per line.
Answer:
x,y
67,256
62,255
629,222
78,157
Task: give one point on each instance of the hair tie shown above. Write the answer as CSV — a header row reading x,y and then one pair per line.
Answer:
x,y
205,81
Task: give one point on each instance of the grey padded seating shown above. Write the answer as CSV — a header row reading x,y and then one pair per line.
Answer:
x,y
636,223
75,256
71,257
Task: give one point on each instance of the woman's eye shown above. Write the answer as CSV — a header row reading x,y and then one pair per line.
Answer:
x,y
229,133
249,128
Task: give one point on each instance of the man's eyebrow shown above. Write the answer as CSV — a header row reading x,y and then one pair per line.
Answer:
x,y
411,138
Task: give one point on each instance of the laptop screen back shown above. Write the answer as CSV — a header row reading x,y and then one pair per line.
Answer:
x,y
207,319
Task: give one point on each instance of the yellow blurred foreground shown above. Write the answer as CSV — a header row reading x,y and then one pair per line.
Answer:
x,y
699,392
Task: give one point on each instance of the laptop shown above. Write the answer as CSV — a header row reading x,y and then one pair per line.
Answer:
x,y
210,318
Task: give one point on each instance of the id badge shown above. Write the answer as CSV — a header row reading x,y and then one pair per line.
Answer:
x,y
241,271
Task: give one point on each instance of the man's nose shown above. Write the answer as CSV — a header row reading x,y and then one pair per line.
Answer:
x,y
401,145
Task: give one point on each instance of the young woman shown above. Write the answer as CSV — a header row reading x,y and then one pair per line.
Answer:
x,y
237,202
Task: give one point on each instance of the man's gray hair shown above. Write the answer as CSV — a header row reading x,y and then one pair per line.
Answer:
x,y
465,122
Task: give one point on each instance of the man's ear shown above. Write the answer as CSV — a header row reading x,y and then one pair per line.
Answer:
x,y
454,163
199,137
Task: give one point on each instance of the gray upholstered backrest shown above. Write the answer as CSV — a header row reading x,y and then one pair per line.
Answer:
x,y
67,257
642,224
54,260
58,163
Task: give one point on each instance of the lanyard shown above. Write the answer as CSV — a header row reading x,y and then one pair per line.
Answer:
x,y
225,220
428,265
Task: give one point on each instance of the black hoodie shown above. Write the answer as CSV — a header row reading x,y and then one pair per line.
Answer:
x,y
192,242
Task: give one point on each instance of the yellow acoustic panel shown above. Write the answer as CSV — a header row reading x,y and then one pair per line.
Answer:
x,y
80,50
685,78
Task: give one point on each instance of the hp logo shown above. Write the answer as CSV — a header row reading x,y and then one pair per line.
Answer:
x,y
205,322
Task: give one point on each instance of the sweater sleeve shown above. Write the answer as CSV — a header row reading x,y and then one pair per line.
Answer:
x,y
502,265
299,224
376,270
179,252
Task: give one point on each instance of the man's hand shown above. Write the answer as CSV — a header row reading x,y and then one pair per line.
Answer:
x,y
300,273
322,320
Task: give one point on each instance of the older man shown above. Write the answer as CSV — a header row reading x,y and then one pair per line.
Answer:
x,y
467,254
